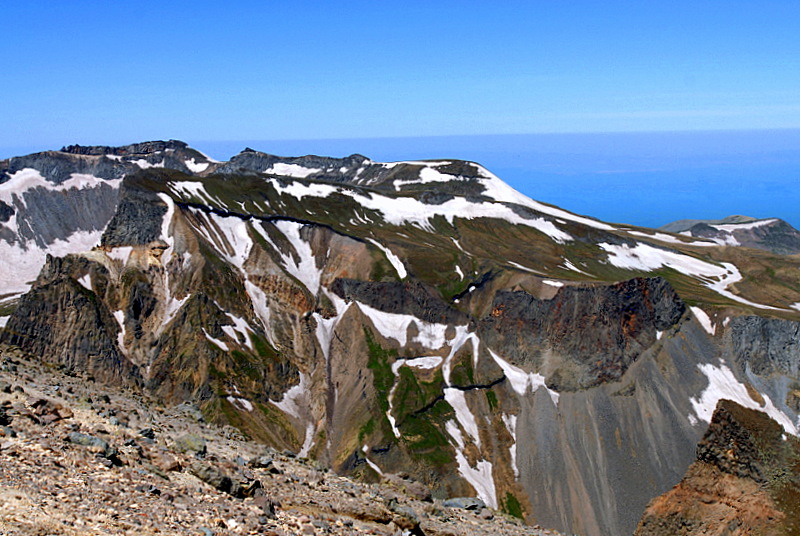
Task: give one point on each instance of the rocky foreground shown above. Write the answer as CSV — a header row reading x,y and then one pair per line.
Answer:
x,y
77,458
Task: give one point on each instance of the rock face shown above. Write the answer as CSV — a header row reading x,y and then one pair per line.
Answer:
x,y
773,234
418,318
745,480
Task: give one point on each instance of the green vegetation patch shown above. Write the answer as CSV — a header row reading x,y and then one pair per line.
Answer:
x,y
381,368
423,438
491,398
512,507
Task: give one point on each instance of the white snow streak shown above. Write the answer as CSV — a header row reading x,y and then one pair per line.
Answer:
x,y
394,259
240,403
730,227
218,342
144,164
372,464
240,325
511,424
704,319
259,300
402,210
458,401
120,318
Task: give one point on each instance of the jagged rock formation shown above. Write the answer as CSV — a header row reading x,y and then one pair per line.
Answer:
x,y
772,234
745,481
417,317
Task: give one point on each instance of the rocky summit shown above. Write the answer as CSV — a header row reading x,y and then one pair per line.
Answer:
x,y
416,318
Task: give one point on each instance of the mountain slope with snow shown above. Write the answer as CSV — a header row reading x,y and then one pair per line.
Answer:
x,y
418,317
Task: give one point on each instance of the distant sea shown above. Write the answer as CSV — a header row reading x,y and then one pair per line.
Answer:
x,y
647,179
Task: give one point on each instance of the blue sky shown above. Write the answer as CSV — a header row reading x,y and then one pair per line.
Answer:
x,y
115,72
412,78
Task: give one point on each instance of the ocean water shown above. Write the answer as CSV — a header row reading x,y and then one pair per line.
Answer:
x,y
647,179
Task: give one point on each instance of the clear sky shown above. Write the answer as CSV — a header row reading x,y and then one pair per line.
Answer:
x,y
437,79
117,72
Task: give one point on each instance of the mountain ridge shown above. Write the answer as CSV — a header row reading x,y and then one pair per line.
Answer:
x,y
422,317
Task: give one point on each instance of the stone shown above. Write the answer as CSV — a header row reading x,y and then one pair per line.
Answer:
x,y
191,444
94,444
465,503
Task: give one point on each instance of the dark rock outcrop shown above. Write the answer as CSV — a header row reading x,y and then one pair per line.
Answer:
x,y
597,332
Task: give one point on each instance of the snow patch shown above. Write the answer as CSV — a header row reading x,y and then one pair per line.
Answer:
x,y
22,263
722,384
480,476
4,321
292,400
29,178
189,189
661,237
121,254
569,266
552,283
395,326
796,306
259,300
523,382
144,164
498,190
240,325
643,257
305,269
86,282
291,170
196,167
299,190
308,440
459,272
521,267
704,319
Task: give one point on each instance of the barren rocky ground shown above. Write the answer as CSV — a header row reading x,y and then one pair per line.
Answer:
x,y
79,458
